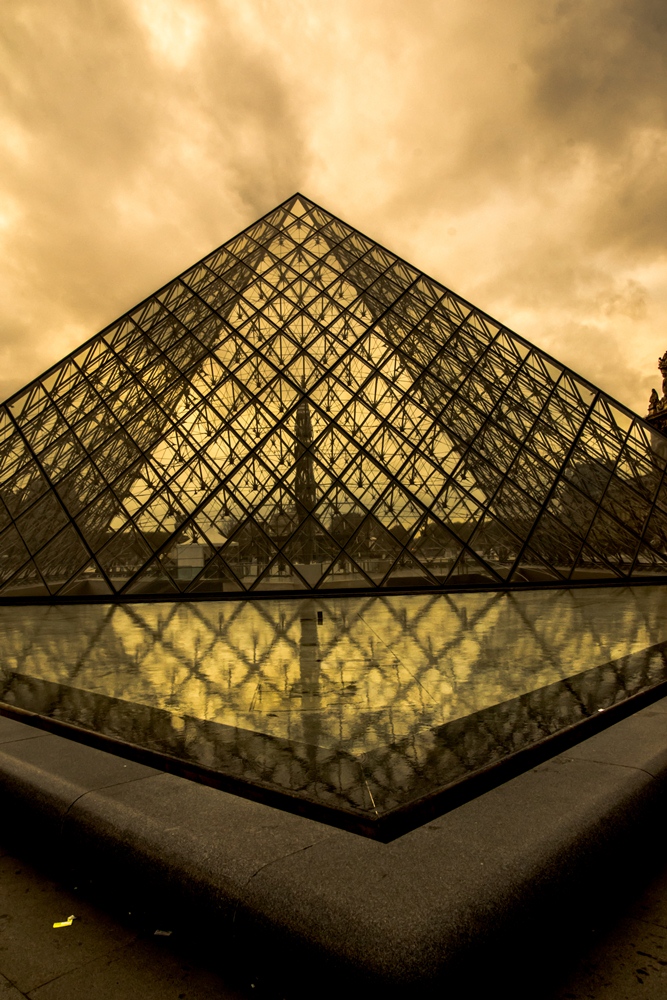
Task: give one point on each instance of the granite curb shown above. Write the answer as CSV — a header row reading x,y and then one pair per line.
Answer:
x,y
292,894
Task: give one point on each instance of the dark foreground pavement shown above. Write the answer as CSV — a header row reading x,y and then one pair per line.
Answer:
x,y
103,955
552,886
109,955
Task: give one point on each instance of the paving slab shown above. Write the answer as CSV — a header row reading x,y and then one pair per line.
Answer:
x,y
136,972
8,991
32,952
99,956
627,959
11,731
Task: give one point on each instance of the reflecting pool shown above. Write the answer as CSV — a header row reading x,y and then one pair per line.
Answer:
x,y
358,704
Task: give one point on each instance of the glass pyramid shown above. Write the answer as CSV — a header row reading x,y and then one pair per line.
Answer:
x,y
302,410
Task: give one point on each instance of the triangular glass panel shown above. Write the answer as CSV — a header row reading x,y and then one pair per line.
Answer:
x,y
532,569
124,555
550,442
609,540
589,476
470,572
225,453
13,455
641,442
373,548
638,473
436,548
153,580
600,436
562,413
629,508
555,545
219,518
345,575
248,552
311,551
398,512
572,508
339,514
656,531
281,575
101,520
160,517
4,516
478,476
280,515
516,511
14,553
533,476
26,583
215,578
649,563
497,546
496,446
41,522
407,572
23,487
185,555
87,582
458,510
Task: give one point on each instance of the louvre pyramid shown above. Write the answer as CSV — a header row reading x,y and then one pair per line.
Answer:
x,y
303,410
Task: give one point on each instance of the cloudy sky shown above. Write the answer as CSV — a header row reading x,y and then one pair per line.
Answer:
x,y
515,151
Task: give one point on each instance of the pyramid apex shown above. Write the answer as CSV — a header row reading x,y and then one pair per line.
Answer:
x,y
303,410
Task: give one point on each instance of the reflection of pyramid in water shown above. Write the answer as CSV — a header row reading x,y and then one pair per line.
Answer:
x,y
304,410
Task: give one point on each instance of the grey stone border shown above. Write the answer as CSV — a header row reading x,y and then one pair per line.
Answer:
x,y
290,894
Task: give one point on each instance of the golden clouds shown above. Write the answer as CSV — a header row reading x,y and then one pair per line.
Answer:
x,y
514,151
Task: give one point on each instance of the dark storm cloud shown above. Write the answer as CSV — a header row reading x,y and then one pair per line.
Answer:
x,y
533,173
601,83
600,68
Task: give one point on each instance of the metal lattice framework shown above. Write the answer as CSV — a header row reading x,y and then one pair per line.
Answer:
x,y
303,410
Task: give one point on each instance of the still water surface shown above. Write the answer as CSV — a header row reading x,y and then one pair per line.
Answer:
x,y
373,671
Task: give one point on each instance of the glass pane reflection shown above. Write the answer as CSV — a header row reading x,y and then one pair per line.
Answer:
x,y
362,704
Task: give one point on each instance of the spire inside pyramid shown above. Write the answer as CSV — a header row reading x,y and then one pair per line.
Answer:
x,y
303,410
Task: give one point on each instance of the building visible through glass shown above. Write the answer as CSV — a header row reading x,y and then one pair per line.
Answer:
x,y
304,411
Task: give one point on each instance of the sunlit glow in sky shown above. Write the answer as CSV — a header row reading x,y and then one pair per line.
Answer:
x,y
514,151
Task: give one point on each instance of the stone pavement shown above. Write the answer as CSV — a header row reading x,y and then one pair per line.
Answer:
x,y
103,955
109,955
626,957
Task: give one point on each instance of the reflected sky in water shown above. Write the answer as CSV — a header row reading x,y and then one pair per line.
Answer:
x,y
374,671
351,676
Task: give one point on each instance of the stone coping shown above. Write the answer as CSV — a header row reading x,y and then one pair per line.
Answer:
x,y
292,894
